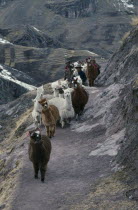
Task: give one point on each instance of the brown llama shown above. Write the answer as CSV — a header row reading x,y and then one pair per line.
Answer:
x,y
39,152
50,116
79,98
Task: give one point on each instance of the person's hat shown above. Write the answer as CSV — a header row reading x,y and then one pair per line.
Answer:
x,y
78,66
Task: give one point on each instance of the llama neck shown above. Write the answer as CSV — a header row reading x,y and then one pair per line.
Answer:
x,y
56,93
61,95
68,103
46,112
37,106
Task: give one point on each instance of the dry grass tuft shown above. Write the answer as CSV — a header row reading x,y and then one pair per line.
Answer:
x,y
125,36
134,21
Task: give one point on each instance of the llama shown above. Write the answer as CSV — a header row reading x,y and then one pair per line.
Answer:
x,y
50,116
39,152
36,113
79,98
64,106
55,87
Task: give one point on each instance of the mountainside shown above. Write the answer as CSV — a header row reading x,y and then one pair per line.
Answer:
x,y
122,70
38,37
122,67
78,24
101,148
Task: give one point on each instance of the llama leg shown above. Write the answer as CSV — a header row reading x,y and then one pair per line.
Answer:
x,y
36,169
50,131
43,171
62,123
47,128
54,130
76,116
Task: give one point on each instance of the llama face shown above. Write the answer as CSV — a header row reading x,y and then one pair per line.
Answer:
x,y
35,136
61,91
75,82
67,93
64,84
44,103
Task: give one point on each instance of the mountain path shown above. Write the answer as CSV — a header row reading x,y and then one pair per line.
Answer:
x,y
71,171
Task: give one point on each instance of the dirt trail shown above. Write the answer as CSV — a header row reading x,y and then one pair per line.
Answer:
x,y
71,171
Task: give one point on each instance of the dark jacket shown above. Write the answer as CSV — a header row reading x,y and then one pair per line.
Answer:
x,y
82,76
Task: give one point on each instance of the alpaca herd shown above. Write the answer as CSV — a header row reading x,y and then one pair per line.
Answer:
x,y
69,102
65,104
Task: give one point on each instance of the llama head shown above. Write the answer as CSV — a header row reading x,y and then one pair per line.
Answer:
x,y
64,84
75,82
67,93
44,103
40,91
61,91
35,136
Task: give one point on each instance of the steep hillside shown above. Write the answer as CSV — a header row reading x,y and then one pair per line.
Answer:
x,y
78,24
94,159
122,70
122,67
37,37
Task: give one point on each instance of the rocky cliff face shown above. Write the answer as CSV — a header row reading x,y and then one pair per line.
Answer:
x,y
122,66
122,70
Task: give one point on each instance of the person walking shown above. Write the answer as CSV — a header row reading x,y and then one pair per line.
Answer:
x,y
81,73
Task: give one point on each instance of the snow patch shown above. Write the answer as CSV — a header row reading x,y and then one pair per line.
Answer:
x,y
110,146
126,4
92,53
3,41
5,74
36,29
